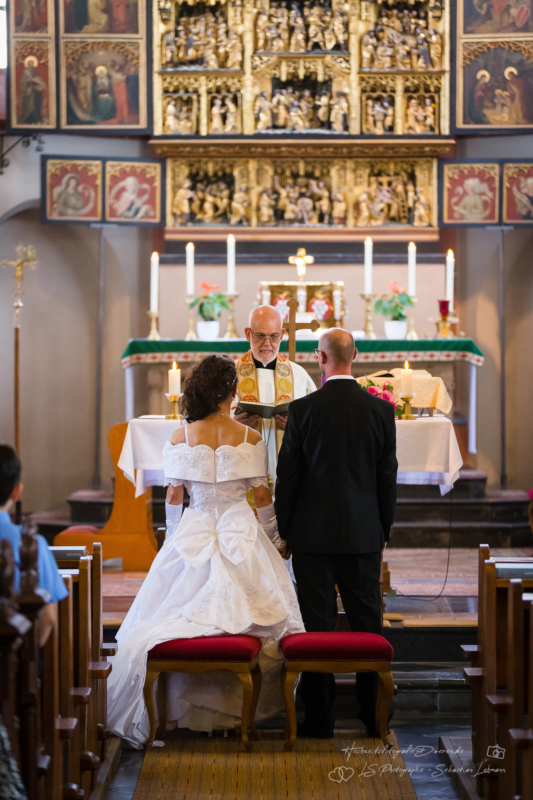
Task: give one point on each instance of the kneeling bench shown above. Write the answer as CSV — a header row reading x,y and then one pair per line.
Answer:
x,y
337,652
237,654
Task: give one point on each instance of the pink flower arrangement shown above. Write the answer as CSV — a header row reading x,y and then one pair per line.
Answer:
x,y
384,392
208,288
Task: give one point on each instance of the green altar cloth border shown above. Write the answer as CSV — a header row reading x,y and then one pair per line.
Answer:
x,y
371,351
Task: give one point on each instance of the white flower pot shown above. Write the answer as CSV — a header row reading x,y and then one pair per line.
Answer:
x,y
208,330
395,329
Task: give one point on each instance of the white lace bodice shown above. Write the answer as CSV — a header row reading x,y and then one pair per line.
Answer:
x,y
216,479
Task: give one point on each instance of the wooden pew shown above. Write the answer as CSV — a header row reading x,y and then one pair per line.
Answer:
x,y
474,675
496,661
522,738
68,694
13,627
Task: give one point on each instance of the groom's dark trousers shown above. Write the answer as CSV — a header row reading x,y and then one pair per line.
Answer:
x,y
335,501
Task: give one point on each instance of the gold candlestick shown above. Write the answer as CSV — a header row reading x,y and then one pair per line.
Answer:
x,y
368,326
191,333
231,330
174,400
407,407
153,336
444,326
411,333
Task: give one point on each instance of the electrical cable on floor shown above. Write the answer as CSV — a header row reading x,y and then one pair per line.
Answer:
x,y
431,599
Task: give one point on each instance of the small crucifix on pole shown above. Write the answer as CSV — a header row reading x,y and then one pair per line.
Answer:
x,y
293,326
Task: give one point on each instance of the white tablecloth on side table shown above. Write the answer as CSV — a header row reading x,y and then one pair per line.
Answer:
x,y
141,459
428,452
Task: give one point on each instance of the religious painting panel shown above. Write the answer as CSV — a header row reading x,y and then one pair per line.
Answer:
x,y
133,192
470,193
518,193
495,17
298,193
321,301
34,17
71,190
103,85
114,17
494,85
32,84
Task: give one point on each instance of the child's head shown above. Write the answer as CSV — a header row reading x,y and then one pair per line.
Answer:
x,y
10,485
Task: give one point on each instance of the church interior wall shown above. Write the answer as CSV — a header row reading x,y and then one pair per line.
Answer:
x,y
58,348
478,297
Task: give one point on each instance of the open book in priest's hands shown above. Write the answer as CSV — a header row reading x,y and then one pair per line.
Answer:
x,y
263,410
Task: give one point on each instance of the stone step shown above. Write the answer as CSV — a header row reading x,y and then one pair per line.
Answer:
x,y
463,534
508,507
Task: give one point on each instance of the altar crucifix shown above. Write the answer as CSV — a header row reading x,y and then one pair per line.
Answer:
x,y
292,326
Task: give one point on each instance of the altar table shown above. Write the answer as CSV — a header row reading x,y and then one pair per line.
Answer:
x,y
427,451
371,351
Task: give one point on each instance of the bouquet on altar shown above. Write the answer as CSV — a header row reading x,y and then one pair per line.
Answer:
x,y
393,307
385,392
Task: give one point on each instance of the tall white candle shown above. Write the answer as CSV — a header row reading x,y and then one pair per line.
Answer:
x,y
154,283
368,265
189,260
450,277
406,376
231,264
174,381
411,269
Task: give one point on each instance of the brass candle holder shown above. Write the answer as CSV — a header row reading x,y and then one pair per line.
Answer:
x,y
445,321
153,336
191,333
368,326
411,333
231,330
174,399
407,407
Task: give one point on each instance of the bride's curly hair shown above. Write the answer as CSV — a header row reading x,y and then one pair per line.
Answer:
x,y
209,384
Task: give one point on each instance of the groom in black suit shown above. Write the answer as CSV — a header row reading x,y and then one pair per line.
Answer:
x,y
335,501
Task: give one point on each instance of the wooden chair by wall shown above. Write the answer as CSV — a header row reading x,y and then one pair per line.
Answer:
x,y
128,533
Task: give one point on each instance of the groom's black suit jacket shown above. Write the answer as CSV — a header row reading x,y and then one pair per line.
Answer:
x,y
336,474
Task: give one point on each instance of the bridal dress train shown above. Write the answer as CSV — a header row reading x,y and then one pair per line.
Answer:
x,y
217,573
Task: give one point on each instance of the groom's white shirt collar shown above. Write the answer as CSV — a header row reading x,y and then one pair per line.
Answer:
x,y
340,378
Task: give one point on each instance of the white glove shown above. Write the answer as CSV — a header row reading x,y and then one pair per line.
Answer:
x,y
267,518
173,515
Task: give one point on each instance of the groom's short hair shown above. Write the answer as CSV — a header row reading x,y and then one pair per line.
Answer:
x,y
339,345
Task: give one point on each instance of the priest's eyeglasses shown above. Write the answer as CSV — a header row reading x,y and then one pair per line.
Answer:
x,y
262,337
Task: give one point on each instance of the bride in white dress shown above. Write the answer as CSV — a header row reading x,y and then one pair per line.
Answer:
x,y
219,571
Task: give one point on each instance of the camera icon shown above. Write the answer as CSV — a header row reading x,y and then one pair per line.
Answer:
x,y
495,751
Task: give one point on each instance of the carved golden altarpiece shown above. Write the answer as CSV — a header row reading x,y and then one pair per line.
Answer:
x,y
282,115
323,301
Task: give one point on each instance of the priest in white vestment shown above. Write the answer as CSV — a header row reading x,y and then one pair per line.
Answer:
x,y
267,376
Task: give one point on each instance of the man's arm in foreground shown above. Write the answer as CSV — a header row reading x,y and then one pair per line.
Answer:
x,y
387,471
288,474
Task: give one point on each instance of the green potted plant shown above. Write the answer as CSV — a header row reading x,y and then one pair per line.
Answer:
x,y
393,308
209,304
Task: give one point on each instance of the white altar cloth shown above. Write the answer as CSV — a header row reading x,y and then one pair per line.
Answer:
x,y
427,451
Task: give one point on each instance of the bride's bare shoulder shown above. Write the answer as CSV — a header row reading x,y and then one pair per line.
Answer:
x,y
178,437
254,437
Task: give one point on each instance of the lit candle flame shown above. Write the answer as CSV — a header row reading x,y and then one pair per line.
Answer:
x,y
450,254
155,254
406,365
174,365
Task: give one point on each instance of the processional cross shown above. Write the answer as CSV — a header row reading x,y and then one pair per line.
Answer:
x,y
293,326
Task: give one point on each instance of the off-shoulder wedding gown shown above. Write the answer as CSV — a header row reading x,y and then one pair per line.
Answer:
x,y
217,573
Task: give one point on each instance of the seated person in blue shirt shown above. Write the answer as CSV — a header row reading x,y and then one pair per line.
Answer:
x,y
49,578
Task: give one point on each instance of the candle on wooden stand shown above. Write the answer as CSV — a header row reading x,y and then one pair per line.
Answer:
x,y
411,269
368,265
231,265
154,283
189,260
406,376
450,277
174,381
